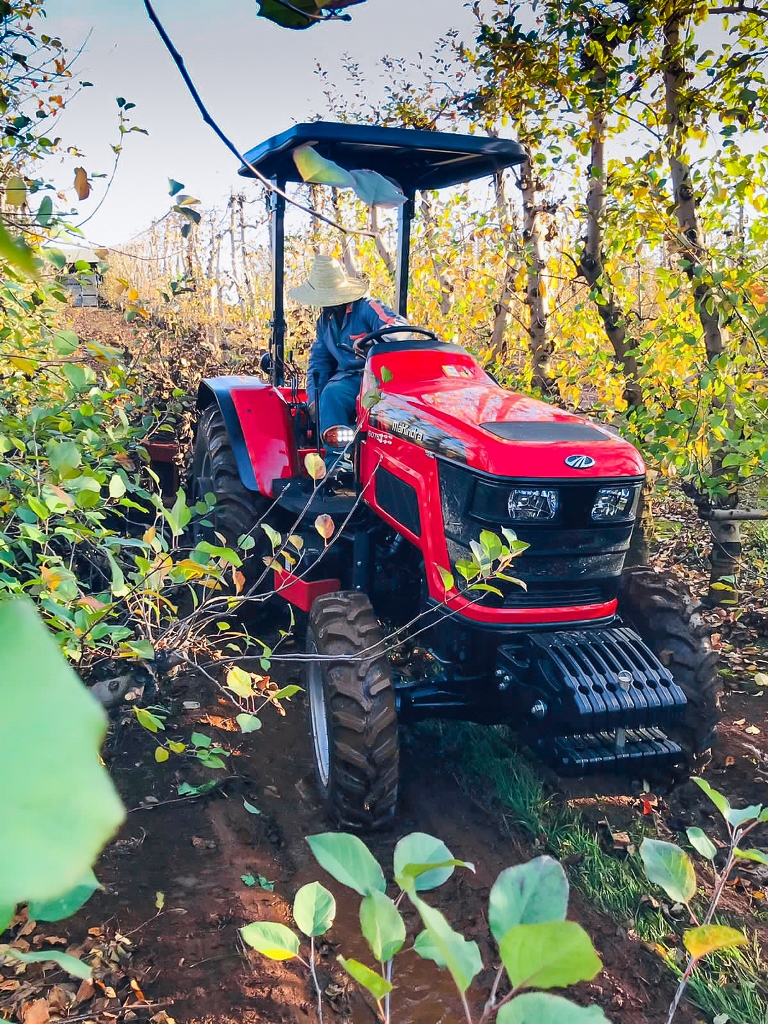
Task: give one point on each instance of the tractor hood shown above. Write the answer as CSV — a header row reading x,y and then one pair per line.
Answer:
x,y
439,398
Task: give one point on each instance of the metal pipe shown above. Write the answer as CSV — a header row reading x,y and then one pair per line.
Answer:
x,y
404,218
277,341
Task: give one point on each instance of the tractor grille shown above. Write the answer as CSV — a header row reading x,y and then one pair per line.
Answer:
x,y
572,561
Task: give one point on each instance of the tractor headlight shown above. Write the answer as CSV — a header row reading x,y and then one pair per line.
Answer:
x,y
613,503
532,503
338,437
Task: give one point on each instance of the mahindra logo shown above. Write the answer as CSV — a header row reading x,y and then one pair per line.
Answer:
x,y
579,461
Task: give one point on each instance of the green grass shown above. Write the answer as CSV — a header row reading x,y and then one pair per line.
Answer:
x,y
503,777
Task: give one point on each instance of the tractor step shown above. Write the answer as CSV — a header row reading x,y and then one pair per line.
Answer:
x,y
300,495
635,752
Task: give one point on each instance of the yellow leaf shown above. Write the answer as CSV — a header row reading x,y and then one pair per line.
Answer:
x,y
325,526
176,747
314,465
15,191
239,580
161,754
159,900
25,365
82,185
711,937
239,682
149,535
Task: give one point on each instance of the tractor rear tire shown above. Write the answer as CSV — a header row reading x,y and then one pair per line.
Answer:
x,y
660,608
214,470
352,712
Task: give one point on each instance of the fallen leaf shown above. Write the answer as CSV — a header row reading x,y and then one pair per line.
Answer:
x,y
35,1012
740,721
752,730
85,992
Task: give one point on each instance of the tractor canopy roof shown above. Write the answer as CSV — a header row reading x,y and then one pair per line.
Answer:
x,y
414,158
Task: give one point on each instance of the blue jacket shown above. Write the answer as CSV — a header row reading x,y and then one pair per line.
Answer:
x,y
332,355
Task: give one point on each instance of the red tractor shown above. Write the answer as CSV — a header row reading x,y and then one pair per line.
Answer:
x,y
596,667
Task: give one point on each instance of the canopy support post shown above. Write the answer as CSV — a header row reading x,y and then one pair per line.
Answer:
x,y
278,325
404,217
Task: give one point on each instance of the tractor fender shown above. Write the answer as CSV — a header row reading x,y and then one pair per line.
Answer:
x,y
260,430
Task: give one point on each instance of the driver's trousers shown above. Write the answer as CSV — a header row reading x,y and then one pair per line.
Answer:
x,y
338,408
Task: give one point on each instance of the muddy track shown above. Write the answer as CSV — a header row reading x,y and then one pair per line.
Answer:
x,y
189,957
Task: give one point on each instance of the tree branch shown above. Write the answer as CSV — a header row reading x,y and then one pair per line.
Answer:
x,y
178,60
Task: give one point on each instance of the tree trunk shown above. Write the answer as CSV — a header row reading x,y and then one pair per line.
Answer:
x,y
438,264
503,308
247,285
233,250
726,536
591,264
348,241
536,299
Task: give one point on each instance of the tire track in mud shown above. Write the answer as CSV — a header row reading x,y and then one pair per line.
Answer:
x,y
197,852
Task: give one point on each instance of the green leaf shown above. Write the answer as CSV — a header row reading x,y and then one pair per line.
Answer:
x,y
147,720
491,544
285,692
552,954
15,191
16,252
382,926
314,909
756,855
376,985
55,822
720,802
68,963
462,958
116,486
701,843
740,815
200,739
250,808
427,950
543,1008
709,938
669,867
65,458
447,577
349,861
248,723
67,904
386,375
65,342
6,916
248,879
530,893
43,217
418,848
274,940
376,190
174,187
314,168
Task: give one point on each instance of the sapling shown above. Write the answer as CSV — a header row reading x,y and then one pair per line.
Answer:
x,y
538,948
671,868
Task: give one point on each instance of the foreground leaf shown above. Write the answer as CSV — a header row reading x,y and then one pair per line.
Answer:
x,y
462,957
376,985
376,190
708,938
314,909
425,946
271,938
316,169
529,893
553,954
543,1008
248,723
720,802
70,964
349,861
66,905
54,821
701,843
418,848
382,926
669,867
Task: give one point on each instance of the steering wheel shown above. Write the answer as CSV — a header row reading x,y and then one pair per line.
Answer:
x,y
363,345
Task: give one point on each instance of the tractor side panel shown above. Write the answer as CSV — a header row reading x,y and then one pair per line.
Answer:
x,y
259,424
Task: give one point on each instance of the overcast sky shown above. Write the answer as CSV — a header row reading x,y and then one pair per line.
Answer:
x,y
256,79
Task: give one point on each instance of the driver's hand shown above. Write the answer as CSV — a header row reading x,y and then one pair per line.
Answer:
x,y
312,411
358,349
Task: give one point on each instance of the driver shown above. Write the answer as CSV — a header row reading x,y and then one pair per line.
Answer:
x,y
335,364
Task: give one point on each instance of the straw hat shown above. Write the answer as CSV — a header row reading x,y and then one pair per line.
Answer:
x,y
328,285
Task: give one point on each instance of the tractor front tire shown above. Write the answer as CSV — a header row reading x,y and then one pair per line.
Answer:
x,y
352,712
237,510
660,608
